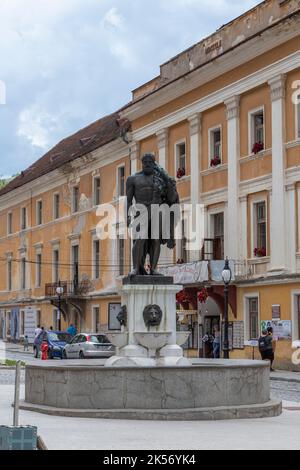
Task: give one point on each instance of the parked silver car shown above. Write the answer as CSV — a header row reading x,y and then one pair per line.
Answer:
x,y
89,345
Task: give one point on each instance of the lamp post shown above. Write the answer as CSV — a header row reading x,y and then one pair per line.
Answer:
x,y
59,291
226,276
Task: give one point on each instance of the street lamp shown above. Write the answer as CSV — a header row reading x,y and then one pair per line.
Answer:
x,y
59,291
226,276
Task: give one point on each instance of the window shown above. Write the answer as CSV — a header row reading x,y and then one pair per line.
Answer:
x,y
9,275
56,266
218,223
75,199
75,261
181,158
253,318
260,249
257,141
39,212
55,319
121,181
97,191
96,320
23,218
96,260
298,315
23,273
9,223
38,270
121,256
298,118
182,251
215,147
56,206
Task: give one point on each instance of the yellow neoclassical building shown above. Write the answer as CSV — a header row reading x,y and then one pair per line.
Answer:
x,y
223,118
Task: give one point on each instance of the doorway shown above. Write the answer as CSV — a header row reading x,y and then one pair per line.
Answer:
x,y
211,321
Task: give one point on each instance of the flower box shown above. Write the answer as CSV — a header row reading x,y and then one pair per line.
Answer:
x,y
258,147
260,252
215,161
202,296
180,173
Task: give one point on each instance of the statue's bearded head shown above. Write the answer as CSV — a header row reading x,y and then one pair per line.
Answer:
x,y
148,162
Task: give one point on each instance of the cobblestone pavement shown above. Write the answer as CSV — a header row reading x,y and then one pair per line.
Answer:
x,y
288,391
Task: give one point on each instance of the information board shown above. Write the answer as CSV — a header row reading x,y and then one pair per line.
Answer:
x,y
30,323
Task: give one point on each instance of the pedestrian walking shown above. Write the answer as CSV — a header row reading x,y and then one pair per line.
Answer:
x,y
265,344
208,340
26,343
217,344
37,331
72,330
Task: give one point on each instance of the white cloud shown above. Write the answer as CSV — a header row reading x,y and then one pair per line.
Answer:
x,y
36,125
113,18
66,63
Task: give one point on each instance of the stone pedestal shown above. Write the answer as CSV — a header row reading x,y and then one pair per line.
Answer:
x,y
148,346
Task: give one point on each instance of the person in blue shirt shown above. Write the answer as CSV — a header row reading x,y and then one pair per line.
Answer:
x,y
72,330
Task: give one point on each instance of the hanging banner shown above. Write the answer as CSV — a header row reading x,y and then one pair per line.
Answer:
x,y
189,273
14,324
2,324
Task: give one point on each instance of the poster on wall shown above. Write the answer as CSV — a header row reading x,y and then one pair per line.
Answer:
x,y
113,312
238,335
30,323
282,329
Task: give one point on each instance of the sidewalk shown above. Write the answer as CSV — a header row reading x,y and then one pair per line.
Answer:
x,y
285,376
16,348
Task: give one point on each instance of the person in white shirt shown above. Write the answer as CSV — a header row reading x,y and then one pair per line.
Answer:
x,y
37,331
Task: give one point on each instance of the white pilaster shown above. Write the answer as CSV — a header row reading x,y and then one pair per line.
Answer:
x,y
243,247
233,152
162,143
195,159
278,216
290,228
134,155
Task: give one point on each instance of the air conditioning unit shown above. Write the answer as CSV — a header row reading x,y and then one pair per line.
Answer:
x,y
18,438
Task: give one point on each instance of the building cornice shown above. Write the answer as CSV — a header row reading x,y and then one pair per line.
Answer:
x,y
244,52
86,164
243,85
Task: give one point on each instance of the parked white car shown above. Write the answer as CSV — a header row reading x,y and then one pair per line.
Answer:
x,y
89,345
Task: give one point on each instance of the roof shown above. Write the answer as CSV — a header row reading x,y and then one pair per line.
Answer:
x,y
86,140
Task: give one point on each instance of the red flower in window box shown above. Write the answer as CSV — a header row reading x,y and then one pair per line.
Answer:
x,y
180,173
215,161
183,297
202,295
257,147
260,252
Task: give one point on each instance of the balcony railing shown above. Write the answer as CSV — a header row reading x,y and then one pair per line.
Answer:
x,y
70,288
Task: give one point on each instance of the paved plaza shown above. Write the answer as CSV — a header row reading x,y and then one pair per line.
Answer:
x,y
72,433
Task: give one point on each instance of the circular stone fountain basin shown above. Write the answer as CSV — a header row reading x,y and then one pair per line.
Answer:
x,y
208,390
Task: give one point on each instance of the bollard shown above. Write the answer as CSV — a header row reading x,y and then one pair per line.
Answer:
x,y
17,394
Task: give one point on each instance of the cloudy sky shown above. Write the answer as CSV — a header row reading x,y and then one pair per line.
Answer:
x,y
66,63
